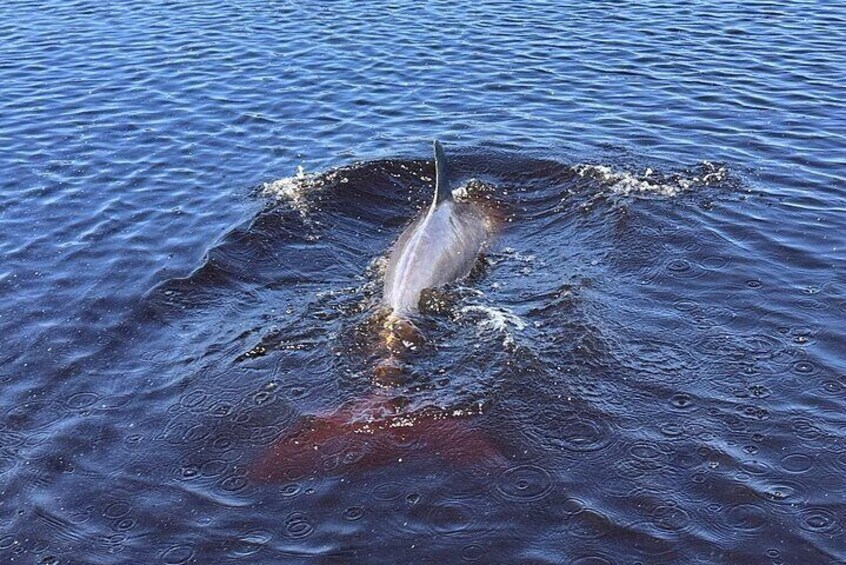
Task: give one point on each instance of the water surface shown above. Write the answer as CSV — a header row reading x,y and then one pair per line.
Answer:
x,y
652,346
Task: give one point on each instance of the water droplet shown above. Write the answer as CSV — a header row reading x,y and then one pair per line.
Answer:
x,y
804,367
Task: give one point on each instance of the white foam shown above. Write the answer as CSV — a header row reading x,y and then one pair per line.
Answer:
x,y
512,253
474,189
287,187
295,189
625,183
497,319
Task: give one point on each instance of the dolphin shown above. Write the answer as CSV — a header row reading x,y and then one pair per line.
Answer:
x,y
439,247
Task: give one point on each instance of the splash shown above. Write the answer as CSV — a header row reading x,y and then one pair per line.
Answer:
x,y
297,188
495,319
474,189
625,183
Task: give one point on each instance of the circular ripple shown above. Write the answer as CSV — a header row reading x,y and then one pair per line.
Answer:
x,y
193,399
174,431
81,516
684,269
233,484
449,518
671,429
524,483
298,392
82,400
222,442
592,560
220,409
629,469
177,555
678,265
818,521
804,367
803,336
195,433
797,463
648,456
213,467
805,428
297,526
746,517
353,513
117,510
472,552
243,419
388,491
781,492
262,397
589,524
751,412
290,489
686,305
754,467
656,357
582,433
682,401
189,472
833,387
670,518
714,263
124,524
251,543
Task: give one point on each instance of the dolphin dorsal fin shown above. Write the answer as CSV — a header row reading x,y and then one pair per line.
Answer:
x,y
443,191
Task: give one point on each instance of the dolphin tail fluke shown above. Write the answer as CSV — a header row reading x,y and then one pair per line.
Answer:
x,y
372,433
443,191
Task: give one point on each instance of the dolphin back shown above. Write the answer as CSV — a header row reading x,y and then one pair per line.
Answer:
x,y
438,248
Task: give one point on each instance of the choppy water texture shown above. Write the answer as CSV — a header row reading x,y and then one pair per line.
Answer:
x,y
647,366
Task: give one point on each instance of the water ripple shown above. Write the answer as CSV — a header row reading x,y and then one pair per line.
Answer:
x,y
196,203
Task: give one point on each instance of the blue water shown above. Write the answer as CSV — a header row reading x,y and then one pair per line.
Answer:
x,y
653,345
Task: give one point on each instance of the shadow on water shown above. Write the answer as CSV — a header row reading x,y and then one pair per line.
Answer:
x,y
601,386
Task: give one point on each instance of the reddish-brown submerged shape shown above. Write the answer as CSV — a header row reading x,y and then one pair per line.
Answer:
x,y
371,433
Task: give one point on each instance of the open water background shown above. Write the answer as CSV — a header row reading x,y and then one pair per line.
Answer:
x,y
656,340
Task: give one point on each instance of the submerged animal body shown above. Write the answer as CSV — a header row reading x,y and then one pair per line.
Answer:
x,y
438,248
372,432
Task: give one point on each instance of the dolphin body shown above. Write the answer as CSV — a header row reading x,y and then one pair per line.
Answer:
x,y
438,248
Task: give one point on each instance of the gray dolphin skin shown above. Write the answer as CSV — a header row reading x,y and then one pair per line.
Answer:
x,y
438,248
